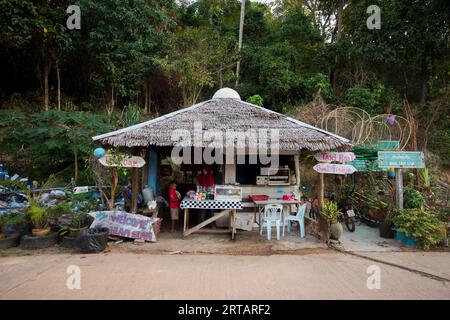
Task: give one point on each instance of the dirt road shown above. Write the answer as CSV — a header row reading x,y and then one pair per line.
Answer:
x,y
139,276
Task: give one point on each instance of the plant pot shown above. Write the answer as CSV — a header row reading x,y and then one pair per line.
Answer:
x,y
92,240
410,242
40,232
67,242
21,228
386,230
74,231
400,236
38,242
336,230
11,240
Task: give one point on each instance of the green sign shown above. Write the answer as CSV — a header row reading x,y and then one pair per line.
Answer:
x,y
365,165
400,159
384,145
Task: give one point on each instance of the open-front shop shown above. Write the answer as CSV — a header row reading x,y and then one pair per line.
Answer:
x,y
227,164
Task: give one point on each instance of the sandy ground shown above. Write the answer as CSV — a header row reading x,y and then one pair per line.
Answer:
x,y
212,266
115,275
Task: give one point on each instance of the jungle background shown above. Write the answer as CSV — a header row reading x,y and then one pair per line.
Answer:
x,y
139,59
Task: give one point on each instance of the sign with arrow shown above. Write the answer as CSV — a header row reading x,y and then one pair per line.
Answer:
x,y
334,168
335,156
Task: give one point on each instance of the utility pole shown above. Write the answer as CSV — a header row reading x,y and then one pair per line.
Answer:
x,y
241,34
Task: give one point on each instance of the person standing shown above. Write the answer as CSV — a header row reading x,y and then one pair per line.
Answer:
x,y
174,204
205,180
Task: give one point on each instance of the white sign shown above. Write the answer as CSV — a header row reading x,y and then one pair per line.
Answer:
x,y
124,224
334,168
335,156
127,161
78,190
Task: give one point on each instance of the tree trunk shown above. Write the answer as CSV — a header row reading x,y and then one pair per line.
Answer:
x,y
59,84
424,81
241,34
337,39
112,98
46,74
76,165
134,189
114,182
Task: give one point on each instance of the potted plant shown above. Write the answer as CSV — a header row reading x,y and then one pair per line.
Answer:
x,y
77,220
16,223
7,239
386,226
41,235
420,226
331,213
38,219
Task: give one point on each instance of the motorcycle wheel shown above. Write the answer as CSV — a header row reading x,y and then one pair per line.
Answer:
x,y
350,224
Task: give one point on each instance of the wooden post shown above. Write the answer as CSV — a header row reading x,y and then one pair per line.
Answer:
x,y
185,222
399,187
321,191
134,189
297,170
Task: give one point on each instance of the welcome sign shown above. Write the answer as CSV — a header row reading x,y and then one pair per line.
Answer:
x,y
124,224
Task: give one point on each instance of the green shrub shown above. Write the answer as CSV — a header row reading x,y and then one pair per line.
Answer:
x,y
361,97
413,199
421,225
256,99
316,82
330,211
37,215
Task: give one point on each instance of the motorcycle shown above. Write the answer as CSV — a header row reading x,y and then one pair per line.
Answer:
x,y
348,214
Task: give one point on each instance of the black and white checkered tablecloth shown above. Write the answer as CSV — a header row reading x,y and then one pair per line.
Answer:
x,y
210,204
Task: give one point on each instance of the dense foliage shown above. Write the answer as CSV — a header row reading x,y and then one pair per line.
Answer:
x,y
135,58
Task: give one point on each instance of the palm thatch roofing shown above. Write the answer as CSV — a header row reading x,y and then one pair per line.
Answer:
x,y
225,114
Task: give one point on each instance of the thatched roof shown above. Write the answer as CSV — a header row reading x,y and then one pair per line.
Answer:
x,y
224,114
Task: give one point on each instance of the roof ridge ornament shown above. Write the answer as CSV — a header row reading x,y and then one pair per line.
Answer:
x,y
226,93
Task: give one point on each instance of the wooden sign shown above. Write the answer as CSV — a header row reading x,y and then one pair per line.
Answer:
x,y
127,161
335,156
400,159
334,168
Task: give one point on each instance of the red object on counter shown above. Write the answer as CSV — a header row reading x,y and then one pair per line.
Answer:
x,y
258,197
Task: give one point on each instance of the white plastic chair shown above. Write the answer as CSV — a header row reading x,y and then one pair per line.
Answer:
x,y
299,217
272,214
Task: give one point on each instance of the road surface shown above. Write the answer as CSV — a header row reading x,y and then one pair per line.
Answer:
x,y
142,276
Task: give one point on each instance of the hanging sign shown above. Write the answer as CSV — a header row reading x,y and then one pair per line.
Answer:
x,y
127,161
400,159
334,168
335,156
128,225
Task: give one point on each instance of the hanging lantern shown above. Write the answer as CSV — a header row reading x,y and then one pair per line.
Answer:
x,y
99,152
390,119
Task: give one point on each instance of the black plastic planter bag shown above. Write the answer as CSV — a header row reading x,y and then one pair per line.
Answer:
x,y
92,240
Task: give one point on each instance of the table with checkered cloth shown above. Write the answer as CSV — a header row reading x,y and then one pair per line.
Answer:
x,y
210,204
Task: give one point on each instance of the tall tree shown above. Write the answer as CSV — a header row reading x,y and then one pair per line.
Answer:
x,y
123,38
